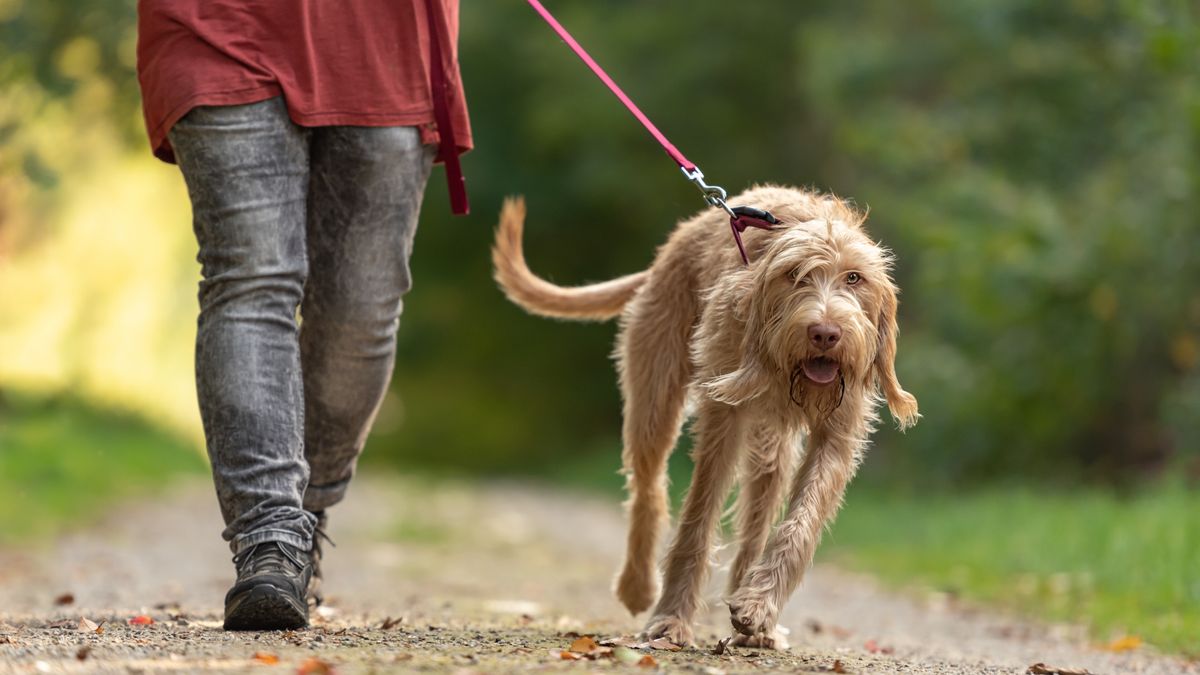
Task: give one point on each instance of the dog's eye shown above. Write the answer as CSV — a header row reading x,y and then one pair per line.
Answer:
x,y
853,278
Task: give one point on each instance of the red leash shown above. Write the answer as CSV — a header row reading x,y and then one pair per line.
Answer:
x,y
740,217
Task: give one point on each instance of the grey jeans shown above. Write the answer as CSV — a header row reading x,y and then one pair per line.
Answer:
x,y
288,218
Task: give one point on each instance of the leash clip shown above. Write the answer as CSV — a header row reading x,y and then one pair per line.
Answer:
x,y
715,195
740,217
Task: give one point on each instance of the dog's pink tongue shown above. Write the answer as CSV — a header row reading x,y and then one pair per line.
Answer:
x,y
821,371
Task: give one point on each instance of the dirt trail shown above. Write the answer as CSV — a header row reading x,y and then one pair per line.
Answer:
x,y
475,579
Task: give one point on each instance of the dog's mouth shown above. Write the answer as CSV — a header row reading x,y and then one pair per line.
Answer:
x,y
820,369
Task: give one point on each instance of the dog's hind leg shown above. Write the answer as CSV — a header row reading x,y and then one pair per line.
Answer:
x,y
829,462
717,435
655,369
765,472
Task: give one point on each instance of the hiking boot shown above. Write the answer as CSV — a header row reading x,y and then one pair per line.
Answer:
x,y
315,593
269,594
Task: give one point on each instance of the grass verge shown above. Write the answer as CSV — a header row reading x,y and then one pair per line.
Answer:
x,y
62,462
1122,565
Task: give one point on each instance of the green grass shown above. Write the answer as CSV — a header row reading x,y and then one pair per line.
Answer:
x,y
1120,565
62,463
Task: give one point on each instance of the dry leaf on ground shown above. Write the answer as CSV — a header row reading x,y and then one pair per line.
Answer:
x,y
721,647
663,644
266,658
390,623
87,626
648,661
564,655
875,648
621,641
837,667
315,666
584,645
1124,644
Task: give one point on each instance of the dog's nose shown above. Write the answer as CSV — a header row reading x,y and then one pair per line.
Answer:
x,y
824,336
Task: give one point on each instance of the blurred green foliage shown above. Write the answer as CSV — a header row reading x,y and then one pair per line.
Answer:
x,y
1035,166
1119,565
65,461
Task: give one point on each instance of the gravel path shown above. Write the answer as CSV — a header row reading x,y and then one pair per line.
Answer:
x,y
465,579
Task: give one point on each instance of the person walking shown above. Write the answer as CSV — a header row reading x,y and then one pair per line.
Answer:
x,y
305,132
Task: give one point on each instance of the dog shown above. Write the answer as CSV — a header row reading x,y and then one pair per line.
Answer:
x,y
796,348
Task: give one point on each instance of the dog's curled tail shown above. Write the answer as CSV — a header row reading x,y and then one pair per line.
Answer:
x,y
595,302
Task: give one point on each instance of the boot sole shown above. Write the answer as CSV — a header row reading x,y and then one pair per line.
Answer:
x,y
264,607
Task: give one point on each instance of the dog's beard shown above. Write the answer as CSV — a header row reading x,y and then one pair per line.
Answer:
x,y
800,394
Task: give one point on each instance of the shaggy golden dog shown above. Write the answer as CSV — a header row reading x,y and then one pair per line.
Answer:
x,y
799,345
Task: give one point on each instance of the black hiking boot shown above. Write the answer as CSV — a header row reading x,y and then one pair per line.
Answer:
x,y
315,594
270,590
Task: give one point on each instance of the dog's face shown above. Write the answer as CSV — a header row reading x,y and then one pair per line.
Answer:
x,y
822,313
821,286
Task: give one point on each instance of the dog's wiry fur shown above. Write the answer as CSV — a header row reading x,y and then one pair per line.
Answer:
x,y
752,347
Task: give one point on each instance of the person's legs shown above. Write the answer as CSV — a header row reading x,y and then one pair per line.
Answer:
x,y
246,169
363,202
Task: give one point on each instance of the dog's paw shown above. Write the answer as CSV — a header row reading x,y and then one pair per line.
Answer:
x,y
751,614
776,639
671,628
636,589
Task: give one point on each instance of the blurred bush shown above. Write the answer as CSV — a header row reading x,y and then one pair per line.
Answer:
x,y
1034,165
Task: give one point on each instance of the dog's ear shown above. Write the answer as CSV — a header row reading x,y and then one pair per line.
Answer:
x,y
745,308
902,404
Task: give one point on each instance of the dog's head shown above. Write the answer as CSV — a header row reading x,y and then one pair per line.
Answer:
x,y
819,307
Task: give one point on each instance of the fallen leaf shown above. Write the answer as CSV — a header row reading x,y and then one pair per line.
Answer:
x,y
83,653
65,599
875,648
100,628
1043,669
87,626
722,646
837,667
1124,644
663,644
390,623
266,658
647,661
564,655
584,645
141,620
626,655
315,666
621,642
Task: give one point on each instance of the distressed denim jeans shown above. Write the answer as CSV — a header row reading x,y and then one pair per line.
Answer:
x,y
304,238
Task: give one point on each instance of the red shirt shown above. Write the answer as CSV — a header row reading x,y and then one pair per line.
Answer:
x,y
336,62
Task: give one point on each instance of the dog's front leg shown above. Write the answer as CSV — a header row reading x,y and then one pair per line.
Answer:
x,y
766,470
829,463
716,433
